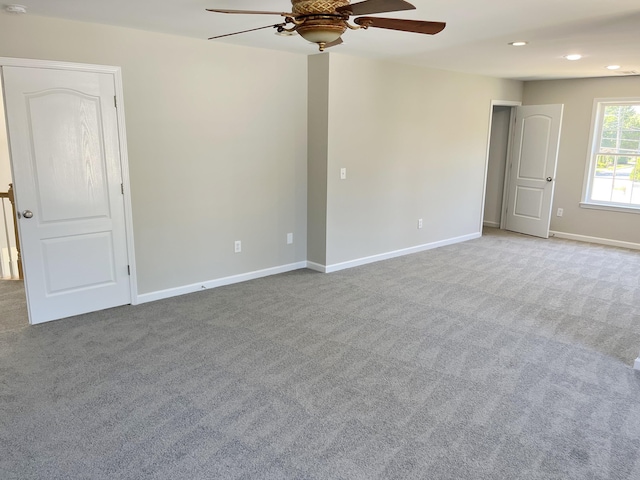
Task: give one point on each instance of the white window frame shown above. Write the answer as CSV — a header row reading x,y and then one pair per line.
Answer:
x,y
594,142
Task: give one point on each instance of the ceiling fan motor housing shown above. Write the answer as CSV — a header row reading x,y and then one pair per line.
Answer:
x,y
319,21
317,7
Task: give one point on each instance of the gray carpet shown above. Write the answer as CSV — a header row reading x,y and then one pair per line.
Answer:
x,y
13,305
506,357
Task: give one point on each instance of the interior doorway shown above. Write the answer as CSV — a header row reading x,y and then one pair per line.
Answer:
x,y
522,156
13,301
502,117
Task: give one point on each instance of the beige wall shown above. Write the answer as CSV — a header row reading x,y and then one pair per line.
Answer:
x,y
577,97
216,140
414,143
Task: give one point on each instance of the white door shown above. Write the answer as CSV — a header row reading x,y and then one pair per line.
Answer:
x,y
65,156
534,156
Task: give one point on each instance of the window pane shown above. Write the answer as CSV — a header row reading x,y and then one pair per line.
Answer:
x,y
601,190
621,190
621,129
635,194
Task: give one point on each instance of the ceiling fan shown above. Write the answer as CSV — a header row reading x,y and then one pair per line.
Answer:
x,y
324,21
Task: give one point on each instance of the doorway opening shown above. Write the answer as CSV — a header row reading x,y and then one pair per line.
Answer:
x,y
497,164
502,117
522,155
13,300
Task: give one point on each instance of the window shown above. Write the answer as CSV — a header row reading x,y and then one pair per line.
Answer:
x,y
614,173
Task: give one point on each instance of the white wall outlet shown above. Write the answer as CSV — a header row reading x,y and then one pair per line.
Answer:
x,y
289,238
419,223
343,174
560,212
237,246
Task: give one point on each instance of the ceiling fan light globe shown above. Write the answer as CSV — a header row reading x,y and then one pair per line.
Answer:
x,y
321,31
320,36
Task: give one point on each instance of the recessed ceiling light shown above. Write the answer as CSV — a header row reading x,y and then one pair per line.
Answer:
x,y
17,9
573,56
613,67
518,44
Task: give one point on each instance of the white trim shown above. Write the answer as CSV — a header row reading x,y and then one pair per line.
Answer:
x,y
601,241
197,287
56,65
126,183
487,223
243,277
636,365
610,208
399,253
316,267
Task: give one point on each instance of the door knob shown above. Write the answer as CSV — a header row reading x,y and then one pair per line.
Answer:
x,y
549,179
27,214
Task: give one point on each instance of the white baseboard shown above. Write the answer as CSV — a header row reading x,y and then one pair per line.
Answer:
x,y
197,287
600,241
317,267
487,223
397,253
636,365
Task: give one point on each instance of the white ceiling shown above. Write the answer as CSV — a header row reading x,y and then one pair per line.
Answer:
x,y
475,40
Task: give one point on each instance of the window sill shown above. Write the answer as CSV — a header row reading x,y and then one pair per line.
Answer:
x,y
610,208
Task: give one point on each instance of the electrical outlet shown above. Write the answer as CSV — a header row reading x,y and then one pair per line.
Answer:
x,y
419,223
560,212
237,246
343,174
289,238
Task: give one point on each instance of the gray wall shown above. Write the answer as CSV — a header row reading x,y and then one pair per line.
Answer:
x,y
216,140
578,96
414,142
318,140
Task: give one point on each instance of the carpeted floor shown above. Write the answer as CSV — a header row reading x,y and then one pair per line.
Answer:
x,y
506,357
13,305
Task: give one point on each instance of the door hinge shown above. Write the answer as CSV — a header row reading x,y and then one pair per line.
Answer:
x,y
115,101
122,188
128,269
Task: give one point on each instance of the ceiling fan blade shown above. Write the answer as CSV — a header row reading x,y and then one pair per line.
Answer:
x,y
247,31
251,12
334,43
369,7
415,26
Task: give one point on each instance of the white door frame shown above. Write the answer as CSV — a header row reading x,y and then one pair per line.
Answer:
x,y
498,103
116,73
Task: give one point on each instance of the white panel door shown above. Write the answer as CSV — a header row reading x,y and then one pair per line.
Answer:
x,y
66,168
533,168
